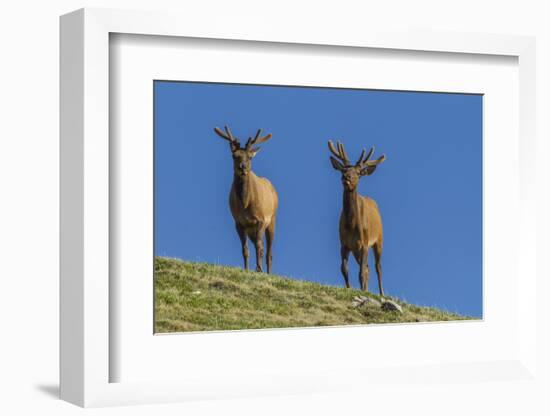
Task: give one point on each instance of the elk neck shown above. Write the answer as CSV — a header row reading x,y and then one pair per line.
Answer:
x,y
351,206
242,186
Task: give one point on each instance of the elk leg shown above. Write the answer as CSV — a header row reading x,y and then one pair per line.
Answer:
x,y
244,244
377,249
344,254
269,236
364,269
259,244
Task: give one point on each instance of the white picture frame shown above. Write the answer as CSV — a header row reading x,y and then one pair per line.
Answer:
x,y
87,356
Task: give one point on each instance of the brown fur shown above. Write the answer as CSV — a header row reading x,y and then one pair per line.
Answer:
x,y
253,201
360,220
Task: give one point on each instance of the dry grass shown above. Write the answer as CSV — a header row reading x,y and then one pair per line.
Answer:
x,y
204,297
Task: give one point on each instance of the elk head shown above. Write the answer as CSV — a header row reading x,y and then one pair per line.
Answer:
x,y
352,173
242,156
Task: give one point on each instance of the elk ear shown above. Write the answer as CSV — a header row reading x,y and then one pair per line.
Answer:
x,y
252,152
234,146
369,170
336,164
371,166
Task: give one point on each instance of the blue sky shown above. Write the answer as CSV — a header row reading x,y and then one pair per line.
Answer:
x,y
429,189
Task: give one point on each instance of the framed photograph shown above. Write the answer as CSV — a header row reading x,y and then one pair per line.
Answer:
x,y
280,213
207,212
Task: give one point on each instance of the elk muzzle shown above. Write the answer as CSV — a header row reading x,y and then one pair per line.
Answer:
x,y
242,169
348,184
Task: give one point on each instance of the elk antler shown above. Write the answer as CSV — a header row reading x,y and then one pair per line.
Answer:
x,y
257,139
367,166
375,162
362,158
228,136
340,153
365,162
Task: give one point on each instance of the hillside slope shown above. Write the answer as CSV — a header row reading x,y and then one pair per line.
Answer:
x,y
201,297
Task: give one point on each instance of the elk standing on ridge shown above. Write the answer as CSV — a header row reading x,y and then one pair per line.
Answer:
x,y
253,200
360,221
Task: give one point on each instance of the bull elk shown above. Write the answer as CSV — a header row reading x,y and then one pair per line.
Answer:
x,y
253,200
360,221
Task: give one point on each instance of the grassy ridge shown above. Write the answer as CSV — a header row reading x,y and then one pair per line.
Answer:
x,y
201,297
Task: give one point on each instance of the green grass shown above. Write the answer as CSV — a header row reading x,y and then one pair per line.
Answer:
x,y
204,297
